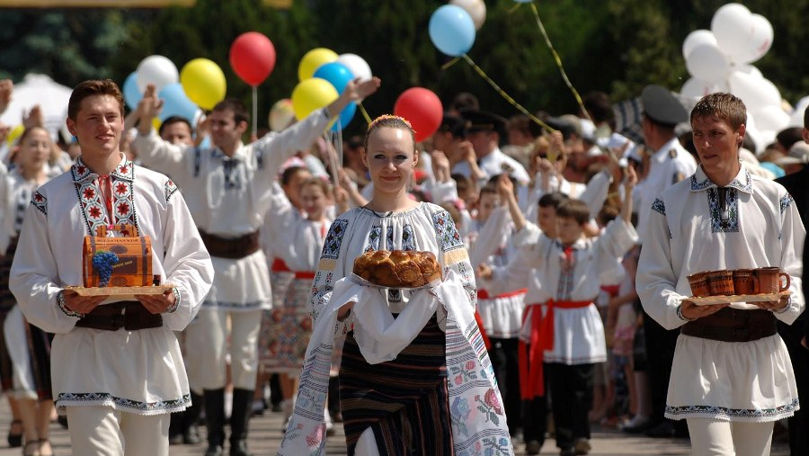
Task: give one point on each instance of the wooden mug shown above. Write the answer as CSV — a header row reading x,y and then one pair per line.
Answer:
x,y
745,282
720,283
699,284
770,280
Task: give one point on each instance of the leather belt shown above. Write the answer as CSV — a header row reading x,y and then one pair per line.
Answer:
x,y
733,325
234,248
130,315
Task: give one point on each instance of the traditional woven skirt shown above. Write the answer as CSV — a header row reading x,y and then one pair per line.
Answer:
x,y
405,401
286,330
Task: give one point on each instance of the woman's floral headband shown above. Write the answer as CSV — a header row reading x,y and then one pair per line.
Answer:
x,y
386,117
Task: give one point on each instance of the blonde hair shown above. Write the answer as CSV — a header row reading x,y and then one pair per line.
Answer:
x,y
390,121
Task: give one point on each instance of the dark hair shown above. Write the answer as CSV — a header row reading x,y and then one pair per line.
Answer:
x,y
575,209
289,173
28,131
789,136
722,105
553,199
453,125
599,107
607,214
806,117
237,107
173,120
492,182
390,121
463,183
521,123
90,88
488,189
465,101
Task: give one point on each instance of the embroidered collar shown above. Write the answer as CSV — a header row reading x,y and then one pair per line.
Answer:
x,y
216,152
742,182
124,171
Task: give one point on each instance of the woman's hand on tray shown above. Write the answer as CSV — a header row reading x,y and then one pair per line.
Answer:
x,y
691,311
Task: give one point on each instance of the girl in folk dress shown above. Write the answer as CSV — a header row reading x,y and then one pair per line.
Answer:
x,y
421,382
25,347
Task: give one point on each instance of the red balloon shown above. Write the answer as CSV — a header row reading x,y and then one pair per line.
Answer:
x,y
422,108
252,57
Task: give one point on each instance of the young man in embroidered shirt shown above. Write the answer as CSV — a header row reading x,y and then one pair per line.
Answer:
x,y
118,377
731,376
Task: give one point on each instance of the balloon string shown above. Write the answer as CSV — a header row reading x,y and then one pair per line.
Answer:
x,y
503,94
558,61
364,114
255,111
450,63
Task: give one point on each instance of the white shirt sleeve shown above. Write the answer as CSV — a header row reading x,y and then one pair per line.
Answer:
x,y
163,156
275,149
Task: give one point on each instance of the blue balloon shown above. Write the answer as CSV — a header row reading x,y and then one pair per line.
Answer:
x,y
336,73
176,103
132,93
523,1
345,117
452,30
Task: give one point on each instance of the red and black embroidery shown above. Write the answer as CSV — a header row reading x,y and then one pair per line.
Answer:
x,y
89,194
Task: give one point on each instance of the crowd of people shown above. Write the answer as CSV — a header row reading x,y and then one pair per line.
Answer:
x,y
565,253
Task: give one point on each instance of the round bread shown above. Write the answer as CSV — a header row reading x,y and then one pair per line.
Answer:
x,y
398,268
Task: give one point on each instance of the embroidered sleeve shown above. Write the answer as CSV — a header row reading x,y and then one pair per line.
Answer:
x,y
453,254
329,269
170,188
39,201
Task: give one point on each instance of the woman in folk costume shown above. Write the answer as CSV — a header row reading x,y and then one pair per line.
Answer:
x,y
24,348
428,365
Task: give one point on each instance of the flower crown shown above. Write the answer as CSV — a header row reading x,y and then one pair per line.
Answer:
x,y
388,116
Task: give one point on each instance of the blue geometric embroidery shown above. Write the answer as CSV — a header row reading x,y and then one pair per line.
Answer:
x,y
696,186
785,202
658,206
234,305
40,202
729,223
714,410
170,188
373,238
331,247
447,234
120,402
408,240
389,238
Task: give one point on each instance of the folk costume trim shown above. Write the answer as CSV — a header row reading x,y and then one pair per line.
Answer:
x,y
171,189
714,411
89,194
785,202
39,201
724,210
121,403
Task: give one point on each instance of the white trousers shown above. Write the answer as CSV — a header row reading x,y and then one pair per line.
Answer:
x,y
727,438
209,336
103,431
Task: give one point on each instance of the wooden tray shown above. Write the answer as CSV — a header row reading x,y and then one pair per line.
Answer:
x,y
762,297
360,281
121,293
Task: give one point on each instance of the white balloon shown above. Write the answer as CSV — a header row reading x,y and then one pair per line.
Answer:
x,y
796,119
760,40
696,38
771,118
357,65
697,88
756,93
707,62
475,8
732,26
157,70
750,70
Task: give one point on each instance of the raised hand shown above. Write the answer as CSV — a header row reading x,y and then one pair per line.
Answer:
x,y
359,90
6,89
148,108
34,118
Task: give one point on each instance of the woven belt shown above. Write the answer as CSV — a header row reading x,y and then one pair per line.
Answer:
x,y
234,248
130,315
732,325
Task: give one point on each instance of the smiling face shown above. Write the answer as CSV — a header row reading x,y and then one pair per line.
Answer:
x,y
35,149
98,125
568,230
225,131
717,145
178,133
313,200
390,158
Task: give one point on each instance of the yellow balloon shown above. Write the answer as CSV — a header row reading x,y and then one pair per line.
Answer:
x,y
312,94
14,134
156,122
281,115
312,60
203,82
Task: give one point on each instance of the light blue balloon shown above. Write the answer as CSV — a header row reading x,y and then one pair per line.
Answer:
x,y
336,73
523,1
176,103
452,30
132,93
345,117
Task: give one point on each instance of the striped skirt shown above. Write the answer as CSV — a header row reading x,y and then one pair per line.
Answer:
x,y
405,401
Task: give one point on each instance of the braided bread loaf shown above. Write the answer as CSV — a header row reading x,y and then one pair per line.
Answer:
x,y
397,268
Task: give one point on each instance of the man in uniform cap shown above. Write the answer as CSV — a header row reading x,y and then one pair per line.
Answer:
x,y
669,164
484,131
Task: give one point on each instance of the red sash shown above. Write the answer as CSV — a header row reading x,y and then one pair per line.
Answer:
x,y
532,383
304,274
483,294
278,265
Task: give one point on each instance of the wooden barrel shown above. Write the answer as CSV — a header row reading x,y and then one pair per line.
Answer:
x,y
133,267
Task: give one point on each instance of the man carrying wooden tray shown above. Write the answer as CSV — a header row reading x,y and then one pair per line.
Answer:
x,y
731,375
118,377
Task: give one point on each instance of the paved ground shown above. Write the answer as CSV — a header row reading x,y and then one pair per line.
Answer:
x,y
265,436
